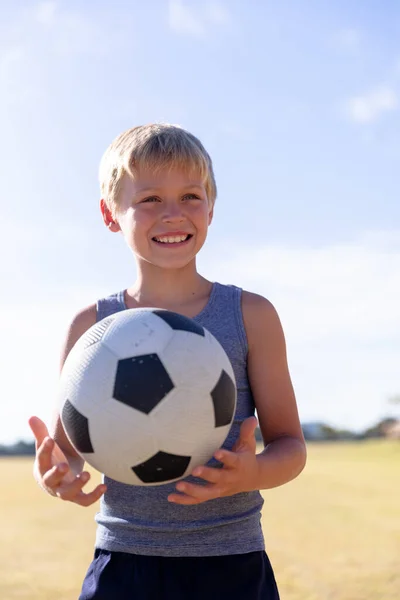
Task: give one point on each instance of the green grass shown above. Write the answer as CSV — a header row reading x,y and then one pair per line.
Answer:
x,y
332,534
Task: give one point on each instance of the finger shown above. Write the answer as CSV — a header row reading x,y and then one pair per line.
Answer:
x,y
87,499
38,429
69,490
200,493
54,477
247,434
228,459
194,496
248,428
44,455
183,499
208,473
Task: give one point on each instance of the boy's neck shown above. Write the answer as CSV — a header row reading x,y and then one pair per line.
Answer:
x,y
174,290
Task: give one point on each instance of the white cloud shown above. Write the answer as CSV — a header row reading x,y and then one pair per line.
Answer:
x,y
217,13
186,19
69,32
339,306
370,106
32,334
339,290
347,39
9,58
46,29
38,39
18,85
45,12
21,235
183,20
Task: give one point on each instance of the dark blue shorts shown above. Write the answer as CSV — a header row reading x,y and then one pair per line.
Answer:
x,y
122,576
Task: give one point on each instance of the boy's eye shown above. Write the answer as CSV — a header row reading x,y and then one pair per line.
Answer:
x,y
189,196
150,199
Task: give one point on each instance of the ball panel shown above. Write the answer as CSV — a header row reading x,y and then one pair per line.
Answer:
x,y
204,451
141,382
179,322
195,360
137,331
121,437
224,399
189,359
76,427
87,378
95,333
182,420
162,468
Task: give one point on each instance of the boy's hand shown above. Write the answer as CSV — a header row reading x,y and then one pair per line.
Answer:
x,y
53,472
239,472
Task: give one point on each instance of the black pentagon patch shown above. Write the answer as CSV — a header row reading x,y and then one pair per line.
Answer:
x,y
96,332
77,428
179,322
224,397
141,382
162,467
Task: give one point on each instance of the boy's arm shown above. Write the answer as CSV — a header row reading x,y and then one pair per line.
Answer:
x,y
284,455
58,467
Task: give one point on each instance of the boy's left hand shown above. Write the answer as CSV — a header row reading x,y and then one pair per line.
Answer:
x,y
238,474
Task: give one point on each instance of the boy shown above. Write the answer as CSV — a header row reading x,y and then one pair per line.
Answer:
x,y
200,538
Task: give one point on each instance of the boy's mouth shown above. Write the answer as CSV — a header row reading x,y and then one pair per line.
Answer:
x,y
172,239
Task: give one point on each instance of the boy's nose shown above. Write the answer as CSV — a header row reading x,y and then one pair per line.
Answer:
x,y
173,214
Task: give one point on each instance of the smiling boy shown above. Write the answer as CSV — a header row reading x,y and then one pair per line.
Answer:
x,y
202,537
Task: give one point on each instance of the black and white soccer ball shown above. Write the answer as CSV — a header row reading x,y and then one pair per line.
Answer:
x,y
146,395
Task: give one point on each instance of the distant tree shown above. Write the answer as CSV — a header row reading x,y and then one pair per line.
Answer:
x,y
329,432
346,434
20,448
379,430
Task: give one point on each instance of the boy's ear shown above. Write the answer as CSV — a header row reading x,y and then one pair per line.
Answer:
x,y
210,215
108,218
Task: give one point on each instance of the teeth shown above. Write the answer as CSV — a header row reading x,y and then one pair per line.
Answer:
x,y
171,239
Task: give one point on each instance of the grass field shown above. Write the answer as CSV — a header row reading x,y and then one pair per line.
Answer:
x,y
332,534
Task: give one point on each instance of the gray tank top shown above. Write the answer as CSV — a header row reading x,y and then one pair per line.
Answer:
x,y
140,520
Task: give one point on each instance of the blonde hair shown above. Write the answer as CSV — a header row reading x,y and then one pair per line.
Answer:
x,y
154,146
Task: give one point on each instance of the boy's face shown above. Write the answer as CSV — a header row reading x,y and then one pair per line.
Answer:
x,y
164,217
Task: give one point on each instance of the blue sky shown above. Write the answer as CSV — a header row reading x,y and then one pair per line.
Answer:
x,y
298,104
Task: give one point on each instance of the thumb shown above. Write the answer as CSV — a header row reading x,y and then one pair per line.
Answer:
x,y
39,429
246,436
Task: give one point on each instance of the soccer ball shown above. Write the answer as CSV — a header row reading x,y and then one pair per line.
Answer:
x,y
146,395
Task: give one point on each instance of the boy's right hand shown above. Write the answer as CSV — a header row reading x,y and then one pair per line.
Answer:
x,y
53,472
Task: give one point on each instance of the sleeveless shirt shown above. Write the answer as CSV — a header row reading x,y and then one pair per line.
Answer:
x,y
139,519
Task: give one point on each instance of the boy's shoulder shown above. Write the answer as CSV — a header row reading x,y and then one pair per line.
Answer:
x,y
79,324
84,318
260,316
255,302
